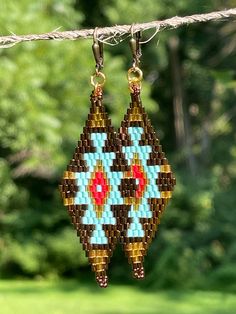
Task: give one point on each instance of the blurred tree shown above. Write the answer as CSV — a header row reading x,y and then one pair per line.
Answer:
x,y
44,101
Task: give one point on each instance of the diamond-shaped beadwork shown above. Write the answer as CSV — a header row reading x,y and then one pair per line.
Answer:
x,y
90,189
117,185
151,179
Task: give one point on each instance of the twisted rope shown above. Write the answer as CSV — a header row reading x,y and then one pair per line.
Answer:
x,y
115,33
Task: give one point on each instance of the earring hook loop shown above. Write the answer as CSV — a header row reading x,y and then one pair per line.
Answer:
x,y
135,46
97,51
98,78
135,74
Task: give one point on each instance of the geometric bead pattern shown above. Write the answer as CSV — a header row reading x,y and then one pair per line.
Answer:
x,y
137,157
90,189
153,183
116,186
98,189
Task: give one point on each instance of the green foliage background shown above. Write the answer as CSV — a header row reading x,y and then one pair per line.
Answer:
x,y
44,101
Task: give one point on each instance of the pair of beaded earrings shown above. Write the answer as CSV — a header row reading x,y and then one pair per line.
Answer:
x,y
117,184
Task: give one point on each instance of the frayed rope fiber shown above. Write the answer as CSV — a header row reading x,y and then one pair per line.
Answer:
x,y
106,34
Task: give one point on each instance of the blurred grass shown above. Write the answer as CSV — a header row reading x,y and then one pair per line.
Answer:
x,y
23,297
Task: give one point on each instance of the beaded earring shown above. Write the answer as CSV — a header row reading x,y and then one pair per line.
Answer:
x,y
89,187
117,185
147,182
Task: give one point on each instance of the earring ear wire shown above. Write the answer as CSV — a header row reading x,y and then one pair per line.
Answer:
x,y
97,50
135,46
151,37
135,74
98,78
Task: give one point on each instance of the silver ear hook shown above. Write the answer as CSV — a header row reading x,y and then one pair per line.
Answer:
x,y
97,51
